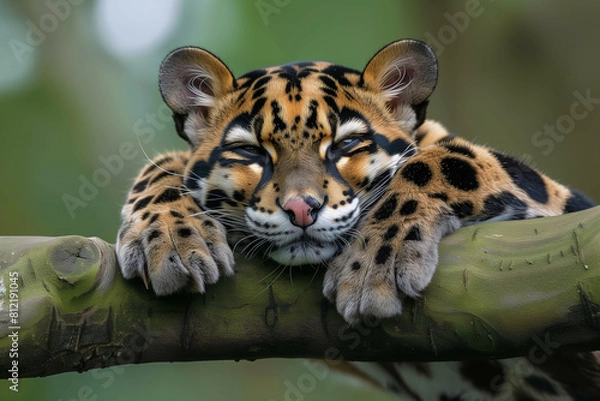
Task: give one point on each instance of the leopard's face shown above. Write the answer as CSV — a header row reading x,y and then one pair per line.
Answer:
x,y
289,157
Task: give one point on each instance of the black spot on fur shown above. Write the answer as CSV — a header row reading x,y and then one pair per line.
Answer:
x,y
168,195
200,169
254,200
418,173
409,207
462,209
386,210
311,121
216,197
391,233
142,203
258,124
495,205
145,215
485,375
338,73
259,83
257,106
383,254
175,213
156,164
459,173
524,177
395,147
330,92
258,93
239,195
161,175
153,218
184,232
140,186
414,234
332,104
252,77
330,83
541,384
577,201
191,183
355,266
462,150
153,235
305,65
162,161
278,123
439,195
208,224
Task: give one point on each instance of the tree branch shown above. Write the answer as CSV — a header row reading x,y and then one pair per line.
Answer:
x,y
501,290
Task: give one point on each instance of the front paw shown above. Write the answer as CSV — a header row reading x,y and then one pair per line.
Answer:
x,y
171,251
370,278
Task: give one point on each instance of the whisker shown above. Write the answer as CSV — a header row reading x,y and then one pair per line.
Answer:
x,y
318,267
270,274
257,247
153,162
251,240
282,268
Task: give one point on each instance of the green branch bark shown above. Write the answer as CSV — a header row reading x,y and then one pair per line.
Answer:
x,y
502,289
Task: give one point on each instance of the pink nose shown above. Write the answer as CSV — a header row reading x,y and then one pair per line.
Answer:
x,y
301,210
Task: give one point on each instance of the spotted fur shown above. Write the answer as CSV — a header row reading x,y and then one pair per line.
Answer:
x,y
315,163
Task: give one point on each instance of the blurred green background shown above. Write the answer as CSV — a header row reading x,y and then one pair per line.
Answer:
x,y
79,107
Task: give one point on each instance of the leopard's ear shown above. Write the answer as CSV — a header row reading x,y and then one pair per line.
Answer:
x,y
191,80
405,74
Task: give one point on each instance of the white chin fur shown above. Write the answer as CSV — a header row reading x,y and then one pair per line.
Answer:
x,y
302,253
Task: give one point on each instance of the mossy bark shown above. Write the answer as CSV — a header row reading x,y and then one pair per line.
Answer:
x,y
503,289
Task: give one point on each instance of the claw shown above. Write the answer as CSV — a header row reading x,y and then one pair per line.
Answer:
x,y
145,276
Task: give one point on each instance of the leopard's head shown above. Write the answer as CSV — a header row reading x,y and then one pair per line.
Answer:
x,y
290,157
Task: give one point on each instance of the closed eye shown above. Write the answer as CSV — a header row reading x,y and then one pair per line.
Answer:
x,y
246,150
347,144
